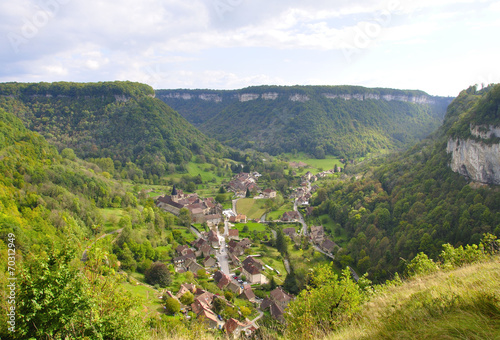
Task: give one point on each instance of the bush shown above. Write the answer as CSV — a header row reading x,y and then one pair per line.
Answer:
x,y
159,274
172,306
421,264
187,298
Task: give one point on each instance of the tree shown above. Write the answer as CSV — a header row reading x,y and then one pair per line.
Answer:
x,y
159,274
220,198
189,277
281,244
219,305
245,229
248,194
222,190
327,303
172,306
245,311
229,295
187,298
272,284
185,217
291,284
202,274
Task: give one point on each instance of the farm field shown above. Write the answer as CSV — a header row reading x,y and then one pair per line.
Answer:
x,y
252,208
313,165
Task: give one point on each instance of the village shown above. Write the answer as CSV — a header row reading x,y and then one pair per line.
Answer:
x,y
220,254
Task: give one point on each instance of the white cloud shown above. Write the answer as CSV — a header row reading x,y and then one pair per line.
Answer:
x,y
197,44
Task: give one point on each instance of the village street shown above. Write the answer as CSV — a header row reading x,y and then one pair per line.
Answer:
x,y
221,254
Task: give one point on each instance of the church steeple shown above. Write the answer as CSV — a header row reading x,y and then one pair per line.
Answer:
x,y
174,191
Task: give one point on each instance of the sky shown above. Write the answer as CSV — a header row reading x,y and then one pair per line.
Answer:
x,y
438,46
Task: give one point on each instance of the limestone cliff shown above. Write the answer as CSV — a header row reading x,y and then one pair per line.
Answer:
x,y
475,159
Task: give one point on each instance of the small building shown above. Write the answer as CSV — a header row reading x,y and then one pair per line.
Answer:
x,y
269,193
245,243
248,294
209,261
235,288
290,216
328,245
277,302
233,234
317,234
289,232
238,219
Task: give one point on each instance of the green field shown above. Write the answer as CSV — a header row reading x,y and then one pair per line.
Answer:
x,y
314,165
150,304
253,209
275,215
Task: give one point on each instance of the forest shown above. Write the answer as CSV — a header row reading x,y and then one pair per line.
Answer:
x,y
117,121
319,125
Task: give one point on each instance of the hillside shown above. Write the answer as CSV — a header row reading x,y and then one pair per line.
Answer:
x,y
49,208
117,120
459,304
344,121
407,203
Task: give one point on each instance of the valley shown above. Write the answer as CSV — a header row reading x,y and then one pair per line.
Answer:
x,y
285,196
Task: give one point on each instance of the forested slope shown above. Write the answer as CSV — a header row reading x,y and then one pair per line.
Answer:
x,y
48,211
117,120
344,121
409,203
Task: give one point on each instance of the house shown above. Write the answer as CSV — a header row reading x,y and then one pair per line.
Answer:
x,y
269,193
248,294
240,218
209,261
213,219
235,260
198,243
233,233
307,176
252,271
328,245
209,318
218,275
253,261
186,287
192,266
235,288
182,250
223,282
206,250
202,210
289,232
277,302
181,260
213,239
317,234
245,243
290,216
233,327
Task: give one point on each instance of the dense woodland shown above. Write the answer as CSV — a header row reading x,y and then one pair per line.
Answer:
x,y
119,121
319,126
411,202
406,213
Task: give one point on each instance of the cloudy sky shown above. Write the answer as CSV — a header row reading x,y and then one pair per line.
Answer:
x,y
439,46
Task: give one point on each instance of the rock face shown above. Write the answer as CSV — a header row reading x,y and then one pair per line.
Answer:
x,y
475,159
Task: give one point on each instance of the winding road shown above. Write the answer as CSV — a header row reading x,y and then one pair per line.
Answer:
x,y
84,255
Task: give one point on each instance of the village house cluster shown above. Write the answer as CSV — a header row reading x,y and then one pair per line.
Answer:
x,y
202,256
205,210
